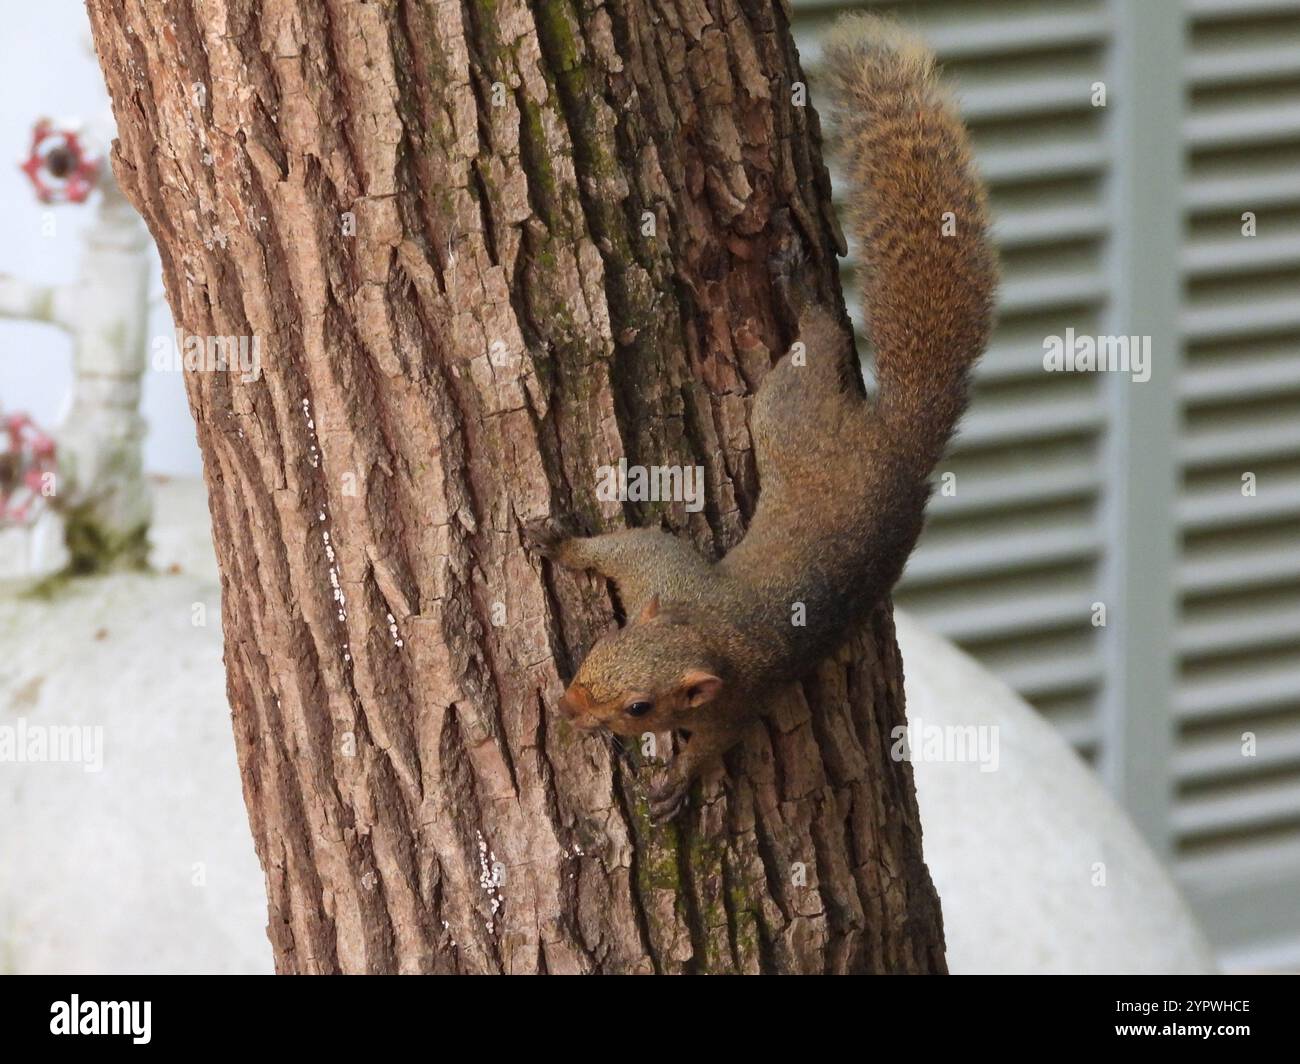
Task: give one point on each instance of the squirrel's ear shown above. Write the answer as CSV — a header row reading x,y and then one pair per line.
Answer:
x,y
651,610
700,687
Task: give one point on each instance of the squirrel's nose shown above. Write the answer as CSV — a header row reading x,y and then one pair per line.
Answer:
x,y
575,701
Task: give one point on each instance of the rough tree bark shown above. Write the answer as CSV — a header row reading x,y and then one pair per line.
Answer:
x,y
435,218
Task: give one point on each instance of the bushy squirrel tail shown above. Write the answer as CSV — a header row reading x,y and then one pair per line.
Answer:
x,y
918,212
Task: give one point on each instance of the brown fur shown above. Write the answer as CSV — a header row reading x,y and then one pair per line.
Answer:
x,y
843,484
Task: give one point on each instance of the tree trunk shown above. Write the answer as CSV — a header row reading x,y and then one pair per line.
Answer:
x,y
486,249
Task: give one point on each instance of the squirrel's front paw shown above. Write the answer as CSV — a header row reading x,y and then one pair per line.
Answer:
x,y
668,796
547,535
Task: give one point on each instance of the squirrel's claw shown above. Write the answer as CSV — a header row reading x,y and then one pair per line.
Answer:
x,y
668,797
546,535
789,270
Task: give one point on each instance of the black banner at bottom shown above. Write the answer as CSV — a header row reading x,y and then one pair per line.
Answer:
x,y
144,1013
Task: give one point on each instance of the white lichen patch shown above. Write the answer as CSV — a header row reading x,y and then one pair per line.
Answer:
x,y
313,452
489,879
335,586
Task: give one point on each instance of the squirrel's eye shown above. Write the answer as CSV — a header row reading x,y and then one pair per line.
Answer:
x,y
639,709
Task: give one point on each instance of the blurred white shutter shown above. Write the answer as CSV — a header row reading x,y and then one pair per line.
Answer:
x,y
1065,483
1236,818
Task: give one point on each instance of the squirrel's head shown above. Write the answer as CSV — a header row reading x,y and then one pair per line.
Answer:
x,y
650,676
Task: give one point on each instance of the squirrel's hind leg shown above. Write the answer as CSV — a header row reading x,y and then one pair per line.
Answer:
x,y
807,401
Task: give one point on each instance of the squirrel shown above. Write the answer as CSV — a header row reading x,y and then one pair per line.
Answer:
x,y
843,481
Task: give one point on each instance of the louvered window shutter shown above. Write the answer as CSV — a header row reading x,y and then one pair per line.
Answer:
x,y
1236,815
1070,492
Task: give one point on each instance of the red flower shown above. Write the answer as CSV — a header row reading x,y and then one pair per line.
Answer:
x,y
58,165
26,459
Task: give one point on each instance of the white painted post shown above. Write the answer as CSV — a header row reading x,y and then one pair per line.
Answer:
x,y
107,506
101,495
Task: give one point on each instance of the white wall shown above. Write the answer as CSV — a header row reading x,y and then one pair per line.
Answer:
x,y
49,70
